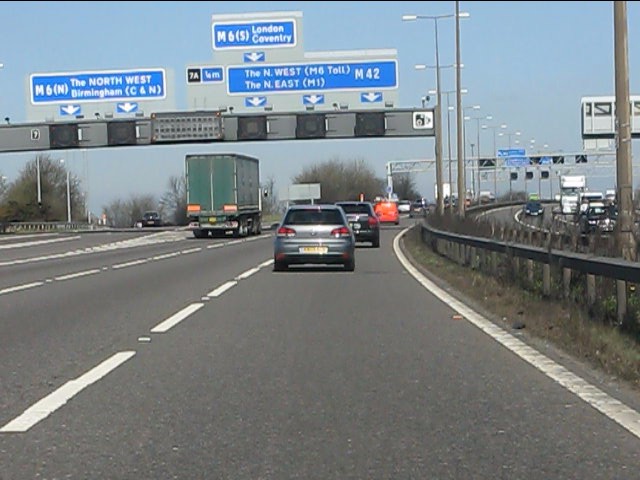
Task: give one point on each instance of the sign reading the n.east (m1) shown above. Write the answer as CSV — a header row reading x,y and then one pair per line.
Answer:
x,y
262,33
299,77
98,86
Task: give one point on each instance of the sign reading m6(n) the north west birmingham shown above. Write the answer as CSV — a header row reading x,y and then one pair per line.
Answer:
x,y
301,77
98,86
263,33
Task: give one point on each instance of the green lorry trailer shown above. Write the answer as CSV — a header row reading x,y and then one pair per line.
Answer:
x,y
223,194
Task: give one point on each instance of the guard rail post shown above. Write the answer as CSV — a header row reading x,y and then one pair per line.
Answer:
x,y
621,299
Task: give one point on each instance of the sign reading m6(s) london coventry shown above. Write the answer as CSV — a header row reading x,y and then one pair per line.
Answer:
x,y
300,77
264,33
98,86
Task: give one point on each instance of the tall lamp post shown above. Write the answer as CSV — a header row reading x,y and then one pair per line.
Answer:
x,y
495,155
477,166
449,110
435,18
464,141
68,193
509,135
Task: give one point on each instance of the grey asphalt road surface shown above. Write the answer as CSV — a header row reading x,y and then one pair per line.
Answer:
x,y
306,374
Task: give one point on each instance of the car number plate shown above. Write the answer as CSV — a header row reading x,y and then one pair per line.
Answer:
x,y
313,249
212,219
355,226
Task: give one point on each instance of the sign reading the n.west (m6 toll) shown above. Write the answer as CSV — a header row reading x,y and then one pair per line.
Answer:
x,y
277,33
98,86
299,77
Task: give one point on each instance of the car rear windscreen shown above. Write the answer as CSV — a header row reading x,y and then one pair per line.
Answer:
x,y
355,208
314,217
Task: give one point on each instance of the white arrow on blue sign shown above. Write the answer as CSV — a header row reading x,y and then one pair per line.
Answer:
x,y
70,109
253,57
255,101
371,97
313,99
127,107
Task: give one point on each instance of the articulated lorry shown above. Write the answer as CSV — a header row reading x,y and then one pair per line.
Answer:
x,y
223,194
571,188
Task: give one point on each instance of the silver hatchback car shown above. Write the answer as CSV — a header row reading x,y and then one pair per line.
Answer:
x,y
314,234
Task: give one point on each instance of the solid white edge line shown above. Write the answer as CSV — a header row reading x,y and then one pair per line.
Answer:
x,y
176,318
52,402
77,275
601,401
130,264
248,273
222,288
17,288
266,263
8,246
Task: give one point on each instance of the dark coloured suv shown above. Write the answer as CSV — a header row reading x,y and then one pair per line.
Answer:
x,y
363,221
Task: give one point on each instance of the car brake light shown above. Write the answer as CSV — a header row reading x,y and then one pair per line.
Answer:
x,y
340,232
286,232
373,221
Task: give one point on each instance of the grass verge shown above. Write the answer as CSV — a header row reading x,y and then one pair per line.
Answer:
x,y
562,323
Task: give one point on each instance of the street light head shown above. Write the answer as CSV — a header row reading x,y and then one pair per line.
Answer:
x,y
420,66
467,118
464,90
489,117
517,133
432,92
476,107
409,18
504,125
464,15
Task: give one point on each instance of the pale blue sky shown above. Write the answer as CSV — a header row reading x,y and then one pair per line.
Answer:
x,y
526,63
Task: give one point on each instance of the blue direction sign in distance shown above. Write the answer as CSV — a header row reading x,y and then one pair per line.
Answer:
x,y
82,87
511,152
263,34
300,77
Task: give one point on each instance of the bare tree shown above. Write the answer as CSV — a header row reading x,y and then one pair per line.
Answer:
x,y
342,180
405,187
174,201
270,201
121,213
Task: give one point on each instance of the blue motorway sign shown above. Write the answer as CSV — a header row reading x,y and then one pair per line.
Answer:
x,y
511,152
97,86
67,110
261,34
301,77
127,107
255,101
371,97
212,74
253,57
517,161
312,99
